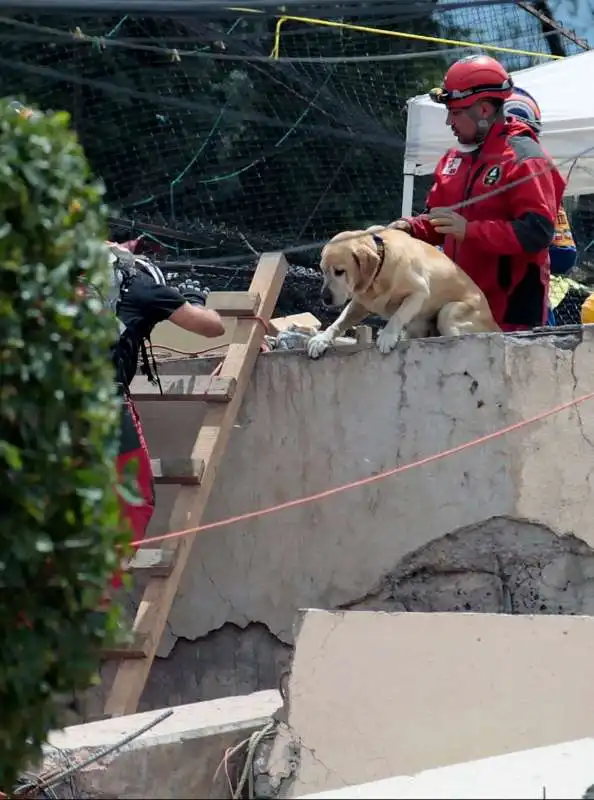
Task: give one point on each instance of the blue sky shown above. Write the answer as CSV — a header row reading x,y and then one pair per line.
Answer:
x,y
510,26
582,21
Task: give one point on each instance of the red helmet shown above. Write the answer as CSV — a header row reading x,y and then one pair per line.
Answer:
x,y
471,79
524,107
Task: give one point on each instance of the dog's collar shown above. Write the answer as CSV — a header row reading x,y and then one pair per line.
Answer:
x,y
381,251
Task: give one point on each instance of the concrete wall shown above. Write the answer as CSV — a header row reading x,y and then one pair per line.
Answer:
x,y
506,526
373,695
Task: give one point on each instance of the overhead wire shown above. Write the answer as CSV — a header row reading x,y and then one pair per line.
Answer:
x,y
175,102
177,52
192,7
493,48
111,40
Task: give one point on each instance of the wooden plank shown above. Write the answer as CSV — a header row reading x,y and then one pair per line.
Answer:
x,y
184,387
234,304
190,504
155,562
137,649
180,471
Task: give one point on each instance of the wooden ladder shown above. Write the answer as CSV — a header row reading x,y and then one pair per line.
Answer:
x,y
195,475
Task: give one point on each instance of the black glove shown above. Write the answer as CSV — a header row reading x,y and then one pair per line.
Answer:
x,y
193,292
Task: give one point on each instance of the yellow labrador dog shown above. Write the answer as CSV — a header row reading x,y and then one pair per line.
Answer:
x,y
408,282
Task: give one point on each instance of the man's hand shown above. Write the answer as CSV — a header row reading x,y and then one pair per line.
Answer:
x,y
448,223
400,225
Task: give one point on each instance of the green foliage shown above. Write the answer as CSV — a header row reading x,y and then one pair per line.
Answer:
x,y
59,424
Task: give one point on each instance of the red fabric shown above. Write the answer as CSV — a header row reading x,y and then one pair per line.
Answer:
x,y
506,328
490,236
137,516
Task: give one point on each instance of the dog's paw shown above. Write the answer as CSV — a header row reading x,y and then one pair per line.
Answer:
x,y
318,345
387,340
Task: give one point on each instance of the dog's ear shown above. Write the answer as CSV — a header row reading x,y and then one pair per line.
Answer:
x,y
367,260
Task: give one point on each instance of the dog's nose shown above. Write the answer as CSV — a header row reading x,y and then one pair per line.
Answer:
x,y
326,296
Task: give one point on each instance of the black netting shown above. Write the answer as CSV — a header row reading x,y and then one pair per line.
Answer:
x,y
219,138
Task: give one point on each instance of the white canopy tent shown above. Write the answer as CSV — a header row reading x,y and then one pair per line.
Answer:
x,y
564,90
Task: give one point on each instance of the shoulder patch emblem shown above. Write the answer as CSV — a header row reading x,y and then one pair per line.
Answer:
x,y
452,165
492,176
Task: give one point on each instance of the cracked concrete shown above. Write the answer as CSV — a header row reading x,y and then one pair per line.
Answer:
x,y
424,539
230,661
499,566
436,689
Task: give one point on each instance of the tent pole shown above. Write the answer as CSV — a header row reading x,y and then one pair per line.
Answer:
x,y
408,187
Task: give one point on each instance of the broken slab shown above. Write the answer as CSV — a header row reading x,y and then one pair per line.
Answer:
x,y
564,771
373,695
178,758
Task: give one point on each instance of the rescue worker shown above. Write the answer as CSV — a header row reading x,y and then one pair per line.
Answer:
x,y
146,300
505,193
562,251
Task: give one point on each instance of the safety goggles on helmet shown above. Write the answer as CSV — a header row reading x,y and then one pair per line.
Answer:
x,y
449,96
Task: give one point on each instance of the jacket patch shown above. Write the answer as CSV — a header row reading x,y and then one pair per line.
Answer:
x,y
492,176
452,165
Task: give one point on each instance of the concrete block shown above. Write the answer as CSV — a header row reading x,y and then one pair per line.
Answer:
x,y
374,695
563,771
177,758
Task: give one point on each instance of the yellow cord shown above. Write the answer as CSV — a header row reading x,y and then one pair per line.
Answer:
x,y
495,48
277,37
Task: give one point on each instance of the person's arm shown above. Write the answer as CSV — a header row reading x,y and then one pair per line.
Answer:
x,y
419,226
159,303
533,203
196,319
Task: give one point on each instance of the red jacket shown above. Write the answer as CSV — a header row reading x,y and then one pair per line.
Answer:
x,y
505,250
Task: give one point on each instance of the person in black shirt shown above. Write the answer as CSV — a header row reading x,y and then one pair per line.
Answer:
x,y
144,301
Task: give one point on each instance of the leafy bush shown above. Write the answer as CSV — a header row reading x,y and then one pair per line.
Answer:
x,y
59,522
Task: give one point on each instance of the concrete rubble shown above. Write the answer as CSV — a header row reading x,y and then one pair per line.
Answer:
x,y
178,758
372,695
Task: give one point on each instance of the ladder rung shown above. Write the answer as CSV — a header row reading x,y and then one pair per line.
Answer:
x,y
234,304
137,647
156,563
184,387
178,471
